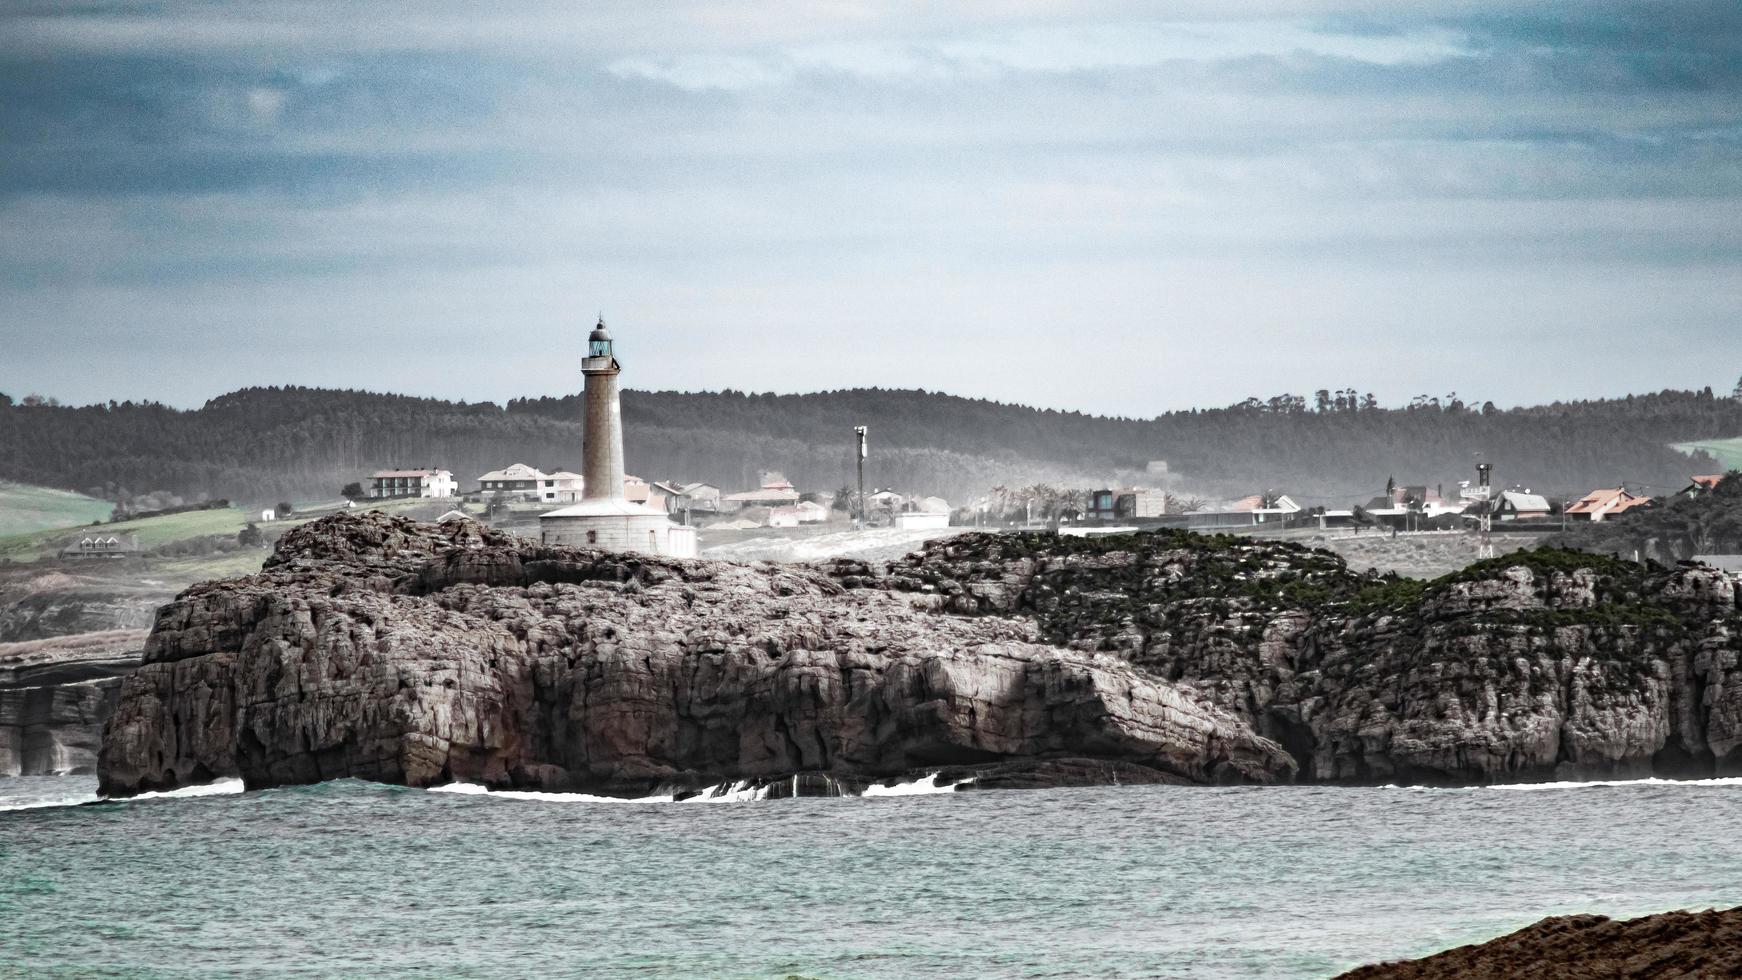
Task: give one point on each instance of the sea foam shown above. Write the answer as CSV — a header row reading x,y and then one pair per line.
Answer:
x,y
739,791
1623,783
222,787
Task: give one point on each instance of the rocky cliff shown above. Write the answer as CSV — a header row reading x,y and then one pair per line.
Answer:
x,y
379,648
1536,665
54,697
389,650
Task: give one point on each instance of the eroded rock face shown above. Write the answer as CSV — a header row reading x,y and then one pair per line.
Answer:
x,y
54,696
409,653
378,648
1536,666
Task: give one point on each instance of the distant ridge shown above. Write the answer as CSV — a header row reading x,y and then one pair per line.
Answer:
x,y
258,444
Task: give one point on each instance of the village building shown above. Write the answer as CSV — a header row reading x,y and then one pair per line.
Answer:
x,y
517,479
1126,504
1521,505
604,517
884,501
783,516
1702,485
1405,507
1604,503
1246,512
775,491
684,500
810,512
385,484
561,487
95,542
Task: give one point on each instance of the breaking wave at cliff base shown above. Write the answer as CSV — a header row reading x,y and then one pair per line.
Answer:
x,y
740,791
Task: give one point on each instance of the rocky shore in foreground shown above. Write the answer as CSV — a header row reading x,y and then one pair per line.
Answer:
x,y
385,649
1667,946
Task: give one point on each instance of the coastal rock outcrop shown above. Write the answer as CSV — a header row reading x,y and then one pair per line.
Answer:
x,y
54,697
379,648
1589,947
1537,665
405,652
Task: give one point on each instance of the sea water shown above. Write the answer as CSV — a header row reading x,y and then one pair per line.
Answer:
x,y
351,878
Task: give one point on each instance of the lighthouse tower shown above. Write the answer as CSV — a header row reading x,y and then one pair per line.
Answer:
x,y
604,518
602,441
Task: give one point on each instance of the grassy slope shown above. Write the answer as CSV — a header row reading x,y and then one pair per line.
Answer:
x,y
1727,452
24,508
154,532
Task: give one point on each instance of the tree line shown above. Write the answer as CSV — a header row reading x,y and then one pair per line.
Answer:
x,y
1335,446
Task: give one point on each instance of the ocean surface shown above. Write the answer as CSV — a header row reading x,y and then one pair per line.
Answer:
x,y
357,879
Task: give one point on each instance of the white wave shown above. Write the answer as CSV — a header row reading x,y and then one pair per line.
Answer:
x,y
923,786
222,787
739,791
1648,782
45,804
473,789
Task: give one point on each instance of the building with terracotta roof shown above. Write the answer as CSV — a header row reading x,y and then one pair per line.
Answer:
x,y
1599,504
1246,512
1702,485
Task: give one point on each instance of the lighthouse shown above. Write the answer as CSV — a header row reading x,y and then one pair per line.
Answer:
x,y
602,440
603,518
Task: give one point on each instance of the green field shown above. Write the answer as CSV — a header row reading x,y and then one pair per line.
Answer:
x,y
1728,452
39,542
151,532
26,508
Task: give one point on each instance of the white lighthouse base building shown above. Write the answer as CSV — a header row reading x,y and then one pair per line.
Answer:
x,y
617,525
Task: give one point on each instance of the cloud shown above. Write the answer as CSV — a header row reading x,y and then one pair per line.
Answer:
x,y
317,167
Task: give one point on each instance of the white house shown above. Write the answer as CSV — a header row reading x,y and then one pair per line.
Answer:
x,y
561,487
412,483
518,478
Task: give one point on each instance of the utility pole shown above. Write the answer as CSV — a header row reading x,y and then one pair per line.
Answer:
x,y
859,431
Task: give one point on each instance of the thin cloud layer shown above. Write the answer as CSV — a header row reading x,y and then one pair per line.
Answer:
x,y
1515,202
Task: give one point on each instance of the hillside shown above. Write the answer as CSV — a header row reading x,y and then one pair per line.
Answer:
x,y
24,509
258,445
1728,452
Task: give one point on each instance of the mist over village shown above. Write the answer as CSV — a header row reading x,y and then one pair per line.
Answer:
x,y
871,490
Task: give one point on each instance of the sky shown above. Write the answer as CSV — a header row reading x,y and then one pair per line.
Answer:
x,y
1117,208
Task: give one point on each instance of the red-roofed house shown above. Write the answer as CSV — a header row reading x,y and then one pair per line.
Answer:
x,y
1702,484
1599,504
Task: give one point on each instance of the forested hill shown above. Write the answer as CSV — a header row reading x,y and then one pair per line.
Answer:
x,y
263,444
